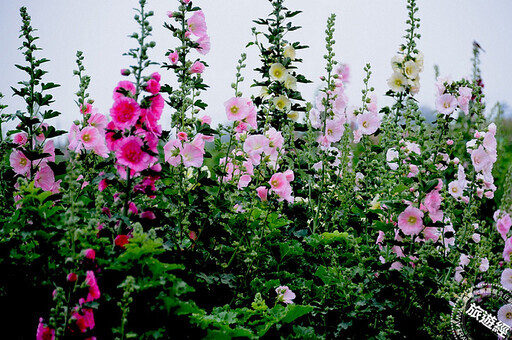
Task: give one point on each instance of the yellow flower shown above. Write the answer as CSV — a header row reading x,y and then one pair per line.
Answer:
x,y
290,82
282,103
294,115
278,72
397,82
411,69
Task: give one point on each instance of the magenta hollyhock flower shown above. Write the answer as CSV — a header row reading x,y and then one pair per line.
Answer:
x,y
204,44
503,225
173,57
127,86
410,221
284,294
152,86
44,332
72,277
125,72
90,254
148,214
446,104
125,112
94,291
20,138
130,154
19,162
192,156
197,24
197,67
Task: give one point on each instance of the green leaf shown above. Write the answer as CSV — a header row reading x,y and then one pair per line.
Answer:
x,y
295,312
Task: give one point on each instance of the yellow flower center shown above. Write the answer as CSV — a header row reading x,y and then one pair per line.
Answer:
x,y
234,109
446,105
454,189
275,183
411,220
86,138
398,82
365,124
508,315
277,73
329,132
23,161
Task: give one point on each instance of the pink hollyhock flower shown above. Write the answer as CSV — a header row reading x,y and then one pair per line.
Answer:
x,y
182,136
484,265
284,294
413,170
262,193
133,208
281,186
410,221
130,154
172,152
102,185
72,277
343,72
368,123
396,266
251,116
173,57
197,67
506,279
99,121
197,24
480,159
236,108
156,76
73,137
275,137
87,110
505,314
125,85
125,112
45,179
121,240
244,181
44,332
254,146
334,129
433,204
465,94
20,138
90,254
205,120
204,45
507,250
89,137
94,291
19,162
192,156
431,233
148,215
503,225
152,86
458,274
391,155
446,104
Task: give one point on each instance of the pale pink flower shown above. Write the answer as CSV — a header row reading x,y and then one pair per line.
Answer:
x,y
431,233
413,170
197,67
204,44
275,137
284,294
484,265
449,142
314,118
197,24
290,176
130,154
173,57
236,108
262,193
380,238
433,204
334,129
507,250
73,137
172,152
205,120
368,123
410,221
446,104
396,266
19,162
125,112
343,72
254,146
505,314
458,274
280,184
475,237
503,224
20,138
465,94
99,121
455,189
44,178
192,156
244,181
480,159
251,116
391,155
89,137
506,279
464,260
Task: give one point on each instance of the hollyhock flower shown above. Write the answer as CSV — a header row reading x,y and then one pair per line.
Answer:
x,y
148,215
19,162
289,52
368,123
236,108
282,103
204,45
334,129
197,67
121,240
130,154
89,137
465,94
99,121
433,204
506,279
125,72
254,146
484,265
413,170
192,156
205,119
446,104
476,238
280,184
94,291
275,137
284,294
480,159
503,224
20,138
45,179
343,72
431,233
505,314
411,70
464,260
152,86
173,57
182,136
290,82
278,72
410,221
44,332
197,24
262,193
397,82
294,115
396,266
455,189
391,155
125,112
458,274
172,152
90,254
251,116
126,86
244,181
507,250
314,118
72,277
396,62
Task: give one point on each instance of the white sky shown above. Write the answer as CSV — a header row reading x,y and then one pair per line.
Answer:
x,y
367,31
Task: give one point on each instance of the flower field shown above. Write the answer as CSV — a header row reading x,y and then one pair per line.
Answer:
x,y
336,218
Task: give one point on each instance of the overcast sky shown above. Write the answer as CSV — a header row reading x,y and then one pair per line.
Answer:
x,y
367,31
